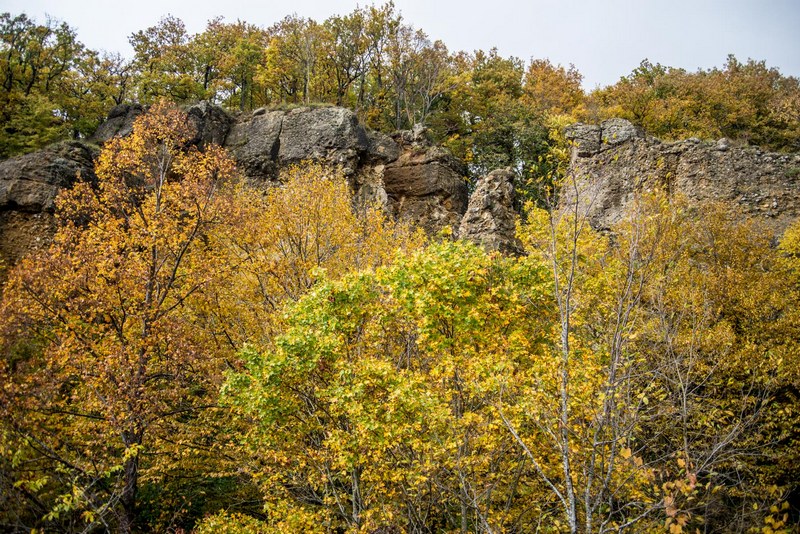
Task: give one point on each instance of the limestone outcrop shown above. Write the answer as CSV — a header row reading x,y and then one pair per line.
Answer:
x,y
411,178
210,123
118,123
269,140
425,185
31,182
420,182
29,185
610,171
490,220
588,139
254,144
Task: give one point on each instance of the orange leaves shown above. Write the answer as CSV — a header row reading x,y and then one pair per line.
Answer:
x,y
115,301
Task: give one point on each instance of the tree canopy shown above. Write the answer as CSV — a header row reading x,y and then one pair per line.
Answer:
x,y
192,354
491,110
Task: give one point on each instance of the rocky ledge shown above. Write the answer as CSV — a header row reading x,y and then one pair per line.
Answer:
x,y
411,178
615,160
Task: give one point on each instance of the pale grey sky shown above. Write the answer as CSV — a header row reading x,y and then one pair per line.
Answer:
x,y
604,39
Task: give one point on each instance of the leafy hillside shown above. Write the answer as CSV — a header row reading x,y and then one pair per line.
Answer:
x,y
195,354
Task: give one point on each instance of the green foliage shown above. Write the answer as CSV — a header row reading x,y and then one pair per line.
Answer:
x,y
486,120
378,407
743,101
28,123
490,110
51,86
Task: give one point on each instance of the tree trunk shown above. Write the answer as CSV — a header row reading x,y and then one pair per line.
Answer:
x,y
130,488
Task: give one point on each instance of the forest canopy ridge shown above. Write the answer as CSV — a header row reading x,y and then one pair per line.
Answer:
x,y
482,105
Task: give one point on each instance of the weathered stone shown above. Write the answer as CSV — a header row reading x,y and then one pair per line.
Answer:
x,y
210,123
490,220
331,135
414,180
617,131
432,194
254,143
119,122
31,182
585,138
381,148
765,186
422,180
29,185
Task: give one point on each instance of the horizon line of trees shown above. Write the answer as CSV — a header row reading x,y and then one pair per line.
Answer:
x,y
490,110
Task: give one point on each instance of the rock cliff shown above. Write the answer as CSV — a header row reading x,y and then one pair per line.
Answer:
x,y
411,178
614,160
417,181
490,220
28,188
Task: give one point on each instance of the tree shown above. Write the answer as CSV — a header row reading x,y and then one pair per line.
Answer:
x,y
165,63
53,86
291,62
299,232
35,59
486,121
96,83
236,50
660,408
748,102
419,74
376,409
347,54
120,370
554,89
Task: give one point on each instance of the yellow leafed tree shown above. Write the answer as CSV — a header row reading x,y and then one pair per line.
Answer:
x,y
119,369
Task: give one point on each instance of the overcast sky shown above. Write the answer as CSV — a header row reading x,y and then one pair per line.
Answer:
x,y
604,39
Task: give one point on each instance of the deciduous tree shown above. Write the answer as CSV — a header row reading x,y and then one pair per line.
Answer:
x,y
119,371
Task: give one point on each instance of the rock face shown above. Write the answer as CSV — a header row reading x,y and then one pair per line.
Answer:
x,y
119,122
588,139
31,182
427,186
415,181
254,145
410,178
28,188
585,138
332,135
210,123
267,141
764,185
490,220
